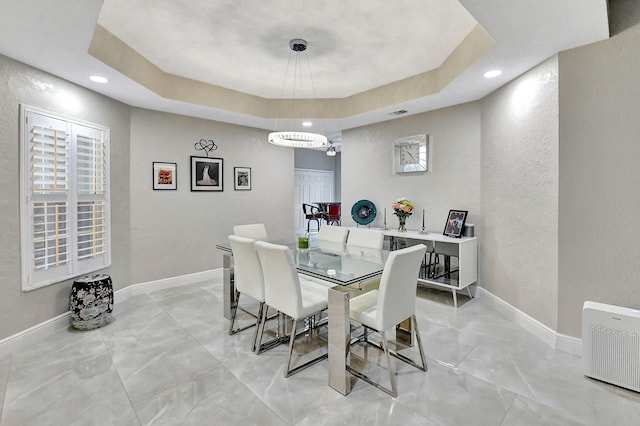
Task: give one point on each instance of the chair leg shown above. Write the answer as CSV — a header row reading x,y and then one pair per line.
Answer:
x,y
419,341
392,376
234,312
261,314
291,371
291,340
260,331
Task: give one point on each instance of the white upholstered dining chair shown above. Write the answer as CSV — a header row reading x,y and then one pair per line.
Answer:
x,y
365,238
256,231
247,279
289,293
333,234
393,303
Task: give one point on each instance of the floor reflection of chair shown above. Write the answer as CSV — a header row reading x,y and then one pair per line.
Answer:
x,y
312,214
394,302
291,294
256,231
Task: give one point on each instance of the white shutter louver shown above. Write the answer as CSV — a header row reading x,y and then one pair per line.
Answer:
x,y
66,213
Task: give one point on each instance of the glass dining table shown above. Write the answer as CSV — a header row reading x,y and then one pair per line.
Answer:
x,y
349,268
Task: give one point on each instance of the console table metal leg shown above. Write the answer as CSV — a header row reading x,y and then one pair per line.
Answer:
x,y
455,298
339,339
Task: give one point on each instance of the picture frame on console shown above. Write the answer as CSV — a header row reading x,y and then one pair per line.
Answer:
x,y
206,174
455,223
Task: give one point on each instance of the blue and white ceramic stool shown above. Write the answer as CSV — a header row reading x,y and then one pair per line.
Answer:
x,y
91,302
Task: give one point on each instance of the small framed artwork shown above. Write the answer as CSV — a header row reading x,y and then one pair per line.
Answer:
x,y
164,175
455,223
242,178
206,174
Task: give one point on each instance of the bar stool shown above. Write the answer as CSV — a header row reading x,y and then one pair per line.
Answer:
x,y
332,215
312,213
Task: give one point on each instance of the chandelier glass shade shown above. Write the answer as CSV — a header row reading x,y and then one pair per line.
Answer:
x,y
293,138
298,139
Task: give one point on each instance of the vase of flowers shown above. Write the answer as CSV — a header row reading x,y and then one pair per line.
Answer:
x,y
403,209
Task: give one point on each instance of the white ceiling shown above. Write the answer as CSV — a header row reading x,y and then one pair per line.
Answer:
x,y
242,45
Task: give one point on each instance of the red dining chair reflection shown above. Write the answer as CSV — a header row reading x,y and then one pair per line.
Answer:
x,y
312,213
332,216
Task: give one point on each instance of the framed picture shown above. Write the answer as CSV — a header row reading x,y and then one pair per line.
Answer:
x,y
164,175
206,174
242,178
455,223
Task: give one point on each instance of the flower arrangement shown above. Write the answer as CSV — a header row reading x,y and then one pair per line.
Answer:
x,y
403,209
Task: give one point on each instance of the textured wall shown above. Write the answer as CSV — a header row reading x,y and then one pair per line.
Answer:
x,y
21,84
599,176
175,232
518,244
454,182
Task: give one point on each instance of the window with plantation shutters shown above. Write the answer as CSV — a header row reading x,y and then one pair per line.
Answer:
x,y
65,198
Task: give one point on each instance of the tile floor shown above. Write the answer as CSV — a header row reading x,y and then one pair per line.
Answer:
x,y
167,359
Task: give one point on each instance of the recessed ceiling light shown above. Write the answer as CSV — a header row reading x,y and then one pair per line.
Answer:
x,y
492,73
307,123
99,79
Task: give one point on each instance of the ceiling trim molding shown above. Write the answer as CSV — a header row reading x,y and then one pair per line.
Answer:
x,y
112,51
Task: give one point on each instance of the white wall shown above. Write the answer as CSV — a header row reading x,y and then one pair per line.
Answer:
x,y
518,233
175,232
599,236
454,183
318,160
20,83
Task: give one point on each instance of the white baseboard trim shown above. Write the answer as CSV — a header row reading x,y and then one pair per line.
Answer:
x,y
164,283
572,345
34,334
38,332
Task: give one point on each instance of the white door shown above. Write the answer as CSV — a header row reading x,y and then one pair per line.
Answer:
x,y
310,186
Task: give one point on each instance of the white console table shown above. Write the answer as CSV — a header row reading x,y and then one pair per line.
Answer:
x,y
465,249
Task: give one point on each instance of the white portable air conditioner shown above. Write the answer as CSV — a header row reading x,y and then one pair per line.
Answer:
x,y
611,344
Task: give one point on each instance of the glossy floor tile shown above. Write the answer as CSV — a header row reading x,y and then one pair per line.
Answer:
x,y
166,359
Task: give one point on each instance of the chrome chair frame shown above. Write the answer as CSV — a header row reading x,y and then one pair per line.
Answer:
x,y
384,347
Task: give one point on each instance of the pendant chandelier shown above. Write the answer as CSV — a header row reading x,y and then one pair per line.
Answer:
x,y
292,138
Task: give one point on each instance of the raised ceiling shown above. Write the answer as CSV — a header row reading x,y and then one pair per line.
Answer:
x,y
353,47
225,59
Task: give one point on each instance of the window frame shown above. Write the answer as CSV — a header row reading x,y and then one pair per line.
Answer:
x,y
75,196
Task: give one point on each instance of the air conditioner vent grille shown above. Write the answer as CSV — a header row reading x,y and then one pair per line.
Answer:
x,y
613,355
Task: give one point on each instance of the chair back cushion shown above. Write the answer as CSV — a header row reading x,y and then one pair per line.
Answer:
x,y
281,283
256,231
365,238
334,234
247,270
334,210
397,291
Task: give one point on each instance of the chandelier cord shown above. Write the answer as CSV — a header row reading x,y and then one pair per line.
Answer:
x,y
313,90
284,85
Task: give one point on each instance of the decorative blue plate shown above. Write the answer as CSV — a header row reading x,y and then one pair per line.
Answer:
x,y
363,212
